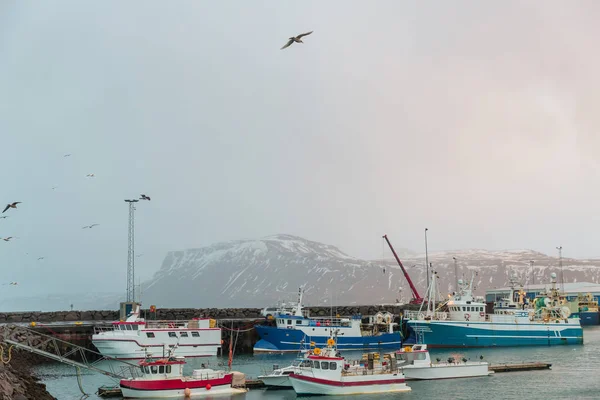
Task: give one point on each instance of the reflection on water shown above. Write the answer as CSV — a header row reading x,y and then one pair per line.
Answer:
x,y
573,375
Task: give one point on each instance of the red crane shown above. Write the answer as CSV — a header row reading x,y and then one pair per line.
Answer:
x,y
416,298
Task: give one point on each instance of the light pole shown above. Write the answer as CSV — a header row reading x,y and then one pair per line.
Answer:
x,y
532,273
131,253
455,275
562,281
426,257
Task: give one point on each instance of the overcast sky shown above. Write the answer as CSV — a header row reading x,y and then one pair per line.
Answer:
x,y
476,120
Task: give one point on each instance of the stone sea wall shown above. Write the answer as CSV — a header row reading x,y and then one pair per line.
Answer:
x,y
189,313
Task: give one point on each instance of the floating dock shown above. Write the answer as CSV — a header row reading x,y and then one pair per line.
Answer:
x,y
519,367
109,391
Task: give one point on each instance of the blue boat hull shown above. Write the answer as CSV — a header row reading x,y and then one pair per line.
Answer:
x,y
273,339
485,334
588,317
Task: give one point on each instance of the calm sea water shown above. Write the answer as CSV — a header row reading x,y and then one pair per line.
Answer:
x,y
573,375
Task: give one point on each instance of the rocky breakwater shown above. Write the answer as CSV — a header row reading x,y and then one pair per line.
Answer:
x,y
17,381
189,313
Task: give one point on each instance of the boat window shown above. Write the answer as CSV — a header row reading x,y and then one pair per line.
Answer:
x,y
324,365
168,369
135,327
183,334
420,356
153,369
150,334
142,368
289,321
287,372
333,366
298,322
172,334
195,334
316,365
147,369
161,369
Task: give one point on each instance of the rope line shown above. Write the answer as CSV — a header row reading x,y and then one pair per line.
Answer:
x,y
2,354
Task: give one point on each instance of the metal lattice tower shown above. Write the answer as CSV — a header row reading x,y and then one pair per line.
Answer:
x,y
131,253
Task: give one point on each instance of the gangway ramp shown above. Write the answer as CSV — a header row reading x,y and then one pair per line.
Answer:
x,y
78,356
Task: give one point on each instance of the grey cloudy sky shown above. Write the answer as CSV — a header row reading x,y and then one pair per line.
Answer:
x,y
475,119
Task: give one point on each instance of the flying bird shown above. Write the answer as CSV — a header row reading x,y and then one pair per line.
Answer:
x,y
7,239
90,226
54,187
67,155
11,205
11,283
90,176
4,216
297,39
139,255
41,258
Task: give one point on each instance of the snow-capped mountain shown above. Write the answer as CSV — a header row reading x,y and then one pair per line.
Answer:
x,y
257,273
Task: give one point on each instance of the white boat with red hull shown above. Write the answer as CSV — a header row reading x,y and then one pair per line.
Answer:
x,y
330,374
132,338
163,378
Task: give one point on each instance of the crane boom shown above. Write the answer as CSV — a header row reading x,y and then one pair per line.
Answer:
x,y
416,298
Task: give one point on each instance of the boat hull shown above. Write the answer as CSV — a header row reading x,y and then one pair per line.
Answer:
x,y
281,381
179,393
489,334
446,371
176,388
588,318
273,340
307,385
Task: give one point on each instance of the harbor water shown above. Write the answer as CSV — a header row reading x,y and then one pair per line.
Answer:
x,y
573,375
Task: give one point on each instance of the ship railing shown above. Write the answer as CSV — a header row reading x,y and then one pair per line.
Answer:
x,y
165,324
328,321
420,315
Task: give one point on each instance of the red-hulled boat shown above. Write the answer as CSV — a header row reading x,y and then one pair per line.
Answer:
x,y
163,378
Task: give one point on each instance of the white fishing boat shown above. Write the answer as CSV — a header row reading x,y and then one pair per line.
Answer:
x,y
328,373
132,338
416,364
163,378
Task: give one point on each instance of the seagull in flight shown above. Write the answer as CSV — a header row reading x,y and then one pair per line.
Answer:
x,y
11,205
54,187
41,258
297,39
90,176
7,239
12,284
4,216
90,226
67,155
144,197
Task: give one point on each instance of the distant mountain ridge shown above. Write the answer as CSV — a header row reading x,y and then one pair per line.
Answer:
x,y
260,272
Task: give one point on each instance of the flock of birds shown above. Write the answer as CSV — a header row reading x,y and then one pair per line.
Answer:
x,y
291,40
14,205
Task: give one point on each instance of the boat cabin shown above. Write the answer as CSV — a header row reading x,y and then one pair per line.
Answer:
x,y
415,355
162,368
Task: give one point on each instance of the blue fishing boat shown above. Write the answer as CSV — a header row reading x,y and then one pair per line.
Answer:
x,y
287,333
462,321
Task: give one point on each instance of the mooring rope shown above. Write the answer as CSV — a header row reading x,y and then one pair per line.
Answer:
x,y
79,383
2,354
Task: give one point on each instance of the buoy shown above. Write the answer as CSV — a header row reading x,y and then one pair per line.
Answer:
x,y
32,323
317,351
330,342
208,386
188,393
